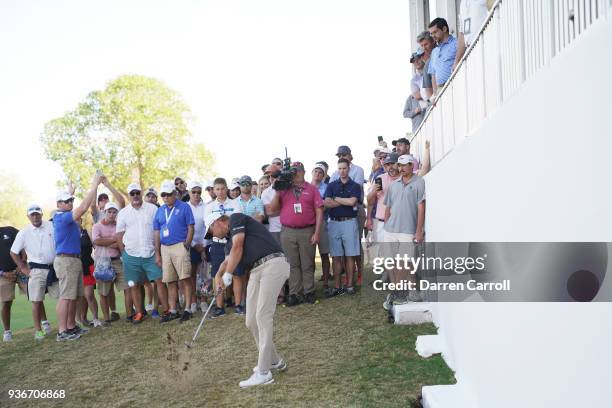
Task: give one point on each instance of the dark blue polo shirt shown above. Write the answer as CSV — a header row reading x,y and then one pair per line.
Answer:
x,y
348,190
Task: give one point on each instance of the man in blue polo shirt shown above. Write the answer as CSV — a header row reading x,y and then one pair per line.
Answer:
x,y
174,228
443,56
342,198
67,263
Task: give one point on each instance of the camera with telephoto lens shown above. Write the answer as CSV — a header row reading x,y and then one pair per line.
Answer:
x,y
284,177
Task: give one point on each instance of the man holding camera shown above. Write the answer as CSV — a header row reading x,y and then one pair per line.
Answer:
x,y
301,216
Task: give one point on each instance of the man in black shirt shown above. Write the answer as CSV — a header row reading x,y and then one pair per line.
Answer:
x,y
8,278
250,245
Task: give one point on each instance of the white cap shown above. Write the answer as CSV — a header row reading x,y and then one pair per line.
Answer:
x,y
134,186
210,183
321,167
110,204
167,187
34,208
193,184
385,150
234,185
63,196
405,159
210,219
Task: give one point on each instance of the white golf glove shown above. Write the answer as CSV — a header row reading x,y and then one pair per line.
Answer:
x,y
227,279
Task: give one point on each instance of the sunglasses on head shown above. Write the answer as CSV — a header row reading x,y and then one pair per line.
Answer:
x,y
134,193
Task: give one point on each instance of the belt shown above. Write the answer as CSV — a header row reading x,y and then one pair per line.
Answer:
x,y
305,226
115,258
34,265
266,258
342,218
220,240
69,255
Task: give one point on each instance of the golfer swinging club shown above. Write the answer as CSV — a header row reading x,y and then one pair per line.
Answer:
x,y
250,245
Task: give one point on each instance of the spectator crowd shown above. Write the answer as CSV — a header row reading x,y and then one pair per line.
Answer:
x,y
159,255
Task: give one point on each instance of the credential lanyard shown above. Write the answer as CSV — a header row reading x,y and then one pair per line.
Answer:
x,y
168,217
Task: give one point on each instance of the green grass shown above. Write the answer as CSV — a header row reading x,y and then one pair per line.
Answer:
x,y
341,353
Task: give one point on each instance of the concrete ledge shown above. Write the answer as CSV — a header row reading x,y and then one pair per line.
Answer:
x,y
429,345
445,396
412,313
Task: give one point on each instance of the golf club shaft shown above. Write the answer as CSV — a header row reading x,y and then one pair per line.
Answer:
x,y
203,319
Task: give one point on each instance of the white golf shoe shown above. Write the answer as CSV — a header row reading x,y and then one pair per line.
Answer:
x,y
257,379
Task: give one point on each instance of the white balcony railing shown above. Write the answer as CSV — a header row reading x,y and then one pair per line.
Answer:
x,y
518,38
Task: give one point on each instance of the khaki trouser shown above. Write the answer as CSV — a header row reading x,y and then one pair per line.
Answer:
x,y
265,282
301,256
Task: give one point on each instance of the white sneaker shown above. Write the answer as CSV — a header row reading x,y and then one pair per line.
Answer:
x,y
46,326
194,308
97,323
8,336
149,307
280,366
204,306
257,379
40,335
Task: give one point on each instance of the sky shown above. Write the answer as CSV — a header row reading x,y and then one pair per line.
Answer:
x,y
258,75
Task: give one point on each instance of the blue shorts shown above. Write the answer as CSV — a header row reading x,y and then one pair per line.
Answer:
x,y
196,257
343,238
217,256
139,270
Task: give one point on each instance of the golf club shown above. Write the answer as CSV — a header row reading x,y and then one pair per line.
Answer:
x,y
190,344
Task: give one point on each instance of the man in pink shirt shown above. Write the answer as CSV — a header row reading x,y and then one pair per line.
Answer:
x,y
301,216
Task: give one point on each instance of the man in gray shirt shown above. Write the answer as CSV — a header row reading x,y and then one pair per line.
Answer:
x,y
404,221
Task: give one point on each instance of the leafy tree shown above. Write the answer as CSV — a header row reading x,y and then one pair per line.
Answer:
x,y
17,197
135,130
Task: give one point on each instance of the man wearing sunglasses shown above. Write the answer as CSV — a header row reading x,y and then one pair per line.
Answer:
x,y
174,226
181,189
67,262
197,252
134,234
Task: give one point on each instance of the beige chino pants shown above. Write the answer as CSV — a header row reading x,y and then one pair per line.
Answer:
x,y
264,284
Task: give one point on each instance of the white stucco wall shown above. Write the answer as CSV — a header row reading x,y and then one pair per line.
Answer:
x,y
539,170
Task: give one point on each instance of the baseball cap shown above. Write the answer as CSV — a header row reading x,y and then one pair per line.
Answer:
x,y
384,150
193,184
234,186
167,187
343,150
63,196
405,159
34,208
297,165
244,180
401,140
324,163
209,220
320,166
134,187
419,52
210,183
110,205
151,190
391,158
